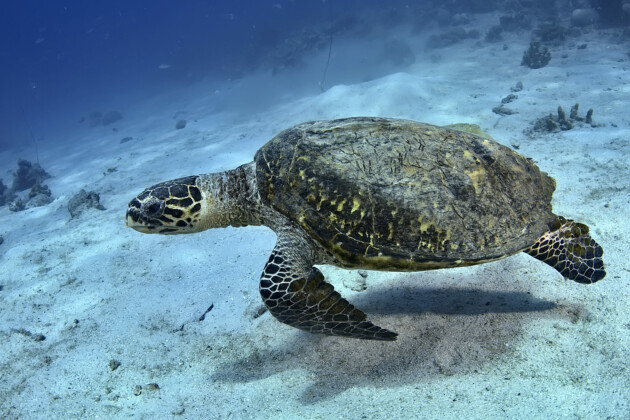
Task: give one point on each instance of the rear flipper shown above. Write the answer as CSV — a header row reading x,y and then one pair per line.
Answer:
x,y
569,248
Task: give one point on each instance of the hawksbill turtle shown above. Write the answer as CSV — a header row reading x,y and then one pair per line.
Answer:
x,y
378,194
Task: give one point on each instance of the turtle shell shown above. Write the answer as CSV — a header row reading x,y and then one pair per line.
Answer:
x,y
401,195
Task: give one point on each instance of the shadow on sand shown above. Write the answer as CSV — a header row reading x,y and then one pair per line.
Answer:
x,y
442,331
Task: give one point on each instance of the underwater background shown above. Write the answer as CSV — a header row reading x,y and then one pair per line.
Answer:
x,y
101,99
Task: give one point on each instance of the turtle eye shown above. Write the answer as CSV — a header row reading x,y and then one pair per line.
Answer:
x,y
153,208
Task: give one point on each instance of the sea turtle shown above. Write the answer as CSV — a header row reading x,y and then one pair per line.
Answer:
x,y
379,194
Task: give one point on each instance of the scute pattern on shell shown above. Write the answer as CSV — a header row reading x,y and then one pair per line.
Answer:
x,y
397,194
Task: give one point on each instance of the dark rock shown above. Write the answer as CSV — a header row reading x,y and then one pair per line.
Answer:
x,y
39,196
153,386
536,56
39,189
114,364
28,174
511,97
82,201
111,117
17,205
31,335
180,124
517,87
502,110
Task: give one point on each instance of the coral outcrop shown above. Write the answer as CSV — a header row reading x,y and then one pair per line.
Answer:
x,y
559,122
82,201
536,56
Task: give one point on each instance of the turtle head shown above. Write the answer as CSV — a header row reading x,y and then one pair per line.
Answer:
x,y
170,207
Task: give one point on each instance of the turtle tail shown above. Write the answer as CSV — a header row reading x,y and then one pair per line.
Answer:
x,y
569,248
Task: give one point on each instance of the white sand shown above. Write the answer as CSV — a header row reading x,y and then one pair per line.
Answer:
x,y
505,339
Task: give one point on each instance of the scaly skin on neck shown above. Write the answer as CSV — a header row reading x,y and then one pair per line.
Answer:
x,y
231,198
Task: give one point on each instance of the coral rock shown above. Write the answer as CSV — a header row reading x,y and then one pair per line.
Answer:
x,y
536,56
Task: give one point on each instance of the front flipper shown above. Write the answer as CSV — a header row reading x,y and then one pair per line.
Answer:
x,y
296,293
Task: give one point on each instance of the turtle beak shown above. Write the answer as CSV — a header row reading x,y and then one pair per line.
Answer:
x,y
132,220
136,218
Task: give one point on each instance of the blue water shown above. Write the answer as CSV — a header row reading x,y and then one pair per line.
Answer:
x,y
66,54
57,54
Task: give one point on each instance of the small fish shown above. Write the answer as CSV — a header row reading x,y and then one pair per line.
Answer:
x,y
164,66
